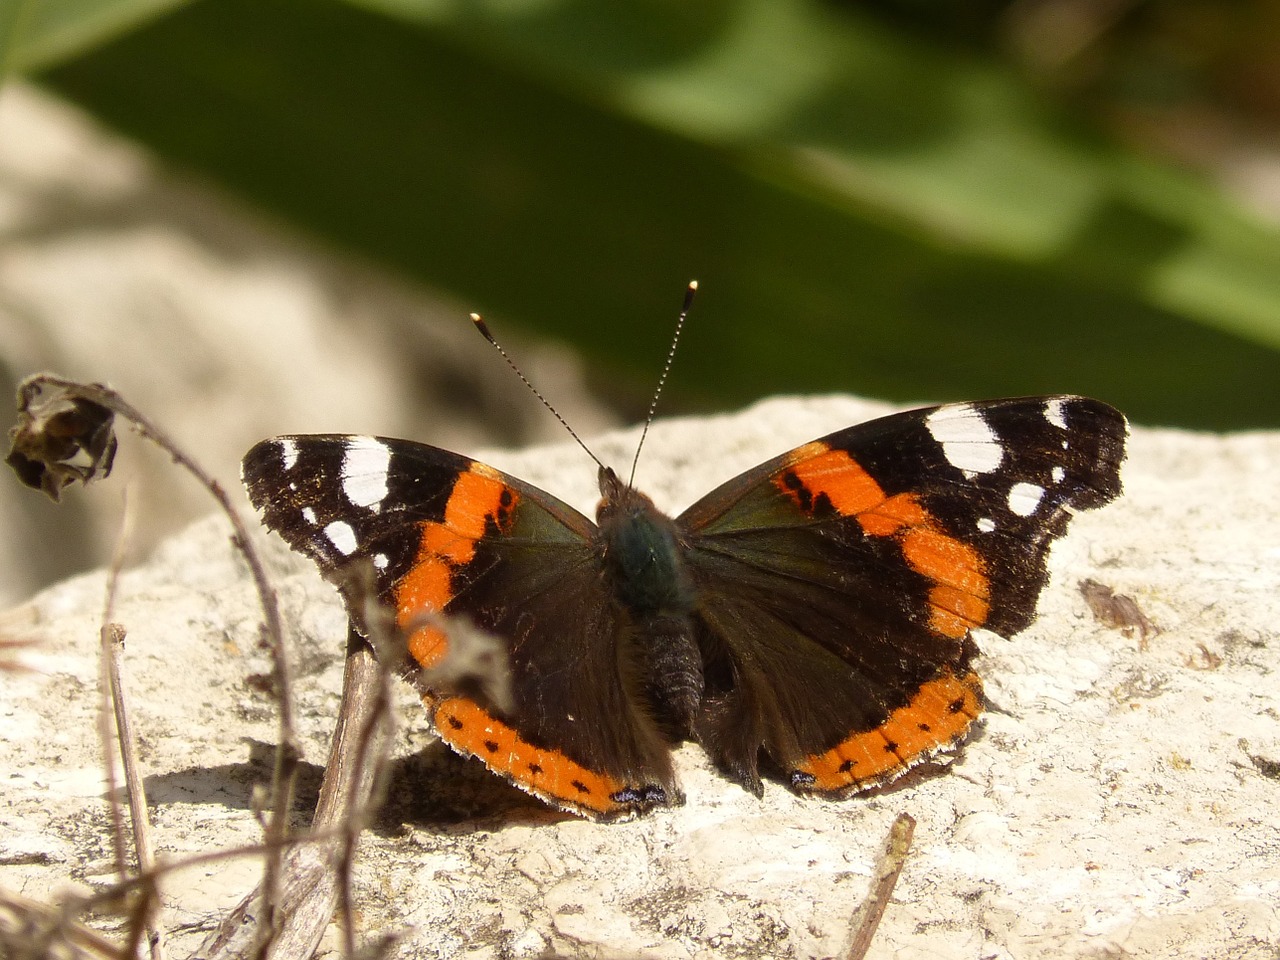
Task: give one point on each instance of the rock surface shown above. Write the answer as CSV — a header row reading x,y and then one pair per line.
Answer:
x,y
1118,799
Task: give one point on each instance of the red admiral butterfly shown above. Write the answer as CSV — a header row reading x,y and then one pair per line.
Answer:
x,y
816,610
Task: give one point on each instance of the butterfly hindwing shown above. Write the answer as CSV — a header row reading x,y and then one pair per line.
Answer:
x,y
447,535
838,584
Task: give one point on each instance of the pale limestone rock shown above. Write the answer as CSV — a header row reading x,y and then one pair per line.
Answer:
x,y
1119,799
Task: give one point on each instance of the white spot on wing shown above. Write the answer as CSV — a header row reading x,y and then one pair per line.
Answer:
x,y
986,525
342,537
1058,474
1024,498
364,471
288,452
380,561
1054,410
309,515
967,440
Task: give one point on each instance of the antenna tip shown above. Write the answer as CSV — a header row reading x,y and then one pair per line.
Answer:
x,y
688,296
482,327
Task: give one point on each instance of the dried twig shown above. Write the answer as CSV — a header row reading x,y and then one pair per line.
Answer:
x,y
146,909
887,870
139,816
65,435
359,789
11,651
311,888
110,764
31,930
354,794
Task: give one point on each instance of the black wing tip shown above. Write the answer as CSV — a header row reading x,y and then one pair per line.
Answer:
x,y
264,453
262,471
1108,432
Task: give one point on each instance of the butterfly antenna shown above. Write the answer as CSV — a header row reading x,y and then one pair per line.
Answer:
x,y
484,332
666,369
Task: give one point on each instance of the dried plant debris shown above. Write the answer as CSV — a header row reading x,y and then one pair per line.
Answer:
x,y
1117,611
60,438
889,868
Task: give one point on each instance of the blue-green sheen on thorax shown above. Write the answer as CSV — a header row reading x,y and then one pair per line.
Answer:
x,y
642,552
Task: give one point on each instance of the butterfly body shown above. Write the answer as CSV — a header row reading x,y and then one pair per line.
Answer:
x,y
811,617
641,552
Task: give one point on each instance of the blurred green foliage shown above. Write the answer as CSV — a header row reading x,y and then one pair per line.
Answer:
x,y
871,202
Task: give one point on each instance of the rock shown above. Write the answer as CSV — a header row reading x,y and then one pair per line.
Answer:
x,y
1117,799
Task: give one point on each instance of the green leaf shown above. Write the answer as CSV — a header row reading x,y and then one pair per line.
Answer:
x,y
865,211
55,30
14,19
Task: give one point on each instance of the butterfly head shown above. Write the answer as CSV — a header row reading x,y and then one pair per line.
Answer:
x,y
616,498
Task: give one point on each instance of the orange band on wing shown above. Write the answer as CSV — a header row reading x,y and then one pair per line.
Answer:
x,y
961,598
851,490
479,498
472,730
892,514
428,645
953,612
937,717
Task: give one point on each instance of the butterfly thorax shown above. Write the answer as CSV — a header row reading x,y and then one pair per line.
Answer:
x,y
641,552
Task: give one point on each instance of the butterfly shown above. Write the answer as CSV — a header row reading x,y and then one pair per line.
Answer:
x,y
811,619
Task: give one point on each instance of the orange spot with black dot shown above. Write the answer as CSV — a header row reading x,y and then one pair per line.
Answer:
x,y
470,729
935,718
479,498
961,597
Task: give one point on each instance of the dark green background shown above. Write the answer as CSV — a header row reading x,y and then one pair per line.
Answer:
x,y
865,210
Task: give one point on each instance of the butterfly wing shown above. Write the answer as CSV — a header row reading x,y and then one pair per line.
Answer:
x,y
838,584
447,535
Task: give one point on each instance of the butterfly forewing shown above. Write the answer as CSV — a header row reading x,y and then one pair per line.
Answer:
x,y
446,535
